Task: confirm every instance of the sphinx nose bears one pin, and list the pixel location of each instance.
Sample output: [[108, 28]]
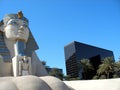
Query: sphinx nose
[[21, 28]]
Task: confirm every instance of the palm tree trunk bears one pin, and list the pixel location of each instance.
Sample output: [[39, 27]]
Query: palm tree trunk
[[84, 74], [108, 75]]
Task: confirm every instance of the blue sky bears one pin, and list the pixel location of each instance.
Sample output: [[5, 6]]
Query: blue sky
[[56, 23]]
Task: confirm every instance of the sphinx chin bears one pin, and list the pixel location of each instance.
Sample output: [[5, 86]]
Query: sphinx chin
[[32, 83]]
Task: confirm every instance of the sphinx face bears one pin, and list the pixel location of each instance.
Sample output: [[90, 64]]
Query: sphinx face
[[17, 29]]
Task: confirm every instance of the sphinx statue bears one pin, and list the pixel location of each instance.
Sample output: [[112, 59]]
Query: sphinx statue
[[17, 42], [19, 63]]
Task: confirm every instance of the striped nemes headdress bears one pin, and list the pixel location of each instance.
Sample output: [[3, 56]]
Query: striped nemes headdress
[[19, 15]]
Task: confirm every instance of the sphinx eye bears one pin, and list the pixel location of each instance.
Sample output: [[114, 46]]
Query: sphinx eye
[[14, 23]]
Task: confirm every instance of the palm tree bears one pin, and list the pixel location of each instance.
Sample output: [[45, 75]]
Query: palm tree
[[86, 66], [106, 67], [67, 77], [56, 73], [117, 70]]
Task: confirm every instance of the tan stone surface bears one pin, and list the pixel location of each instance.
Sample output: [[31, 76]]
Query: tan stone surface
[[32, 83], [106, 84], [5, 68], [55, 83]]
